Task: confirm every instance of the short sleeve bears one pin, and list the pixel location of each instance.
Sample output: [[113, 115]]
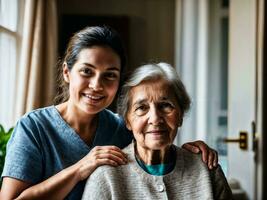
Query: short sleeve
[[24, 158]]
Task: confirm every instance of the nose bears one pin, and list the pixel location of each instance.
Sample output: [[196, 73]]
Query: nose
[[95, 83], [155, 116]]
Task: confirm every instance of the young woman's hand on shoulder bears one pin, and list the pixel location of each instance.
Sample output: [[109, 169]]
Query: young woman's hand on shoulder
[[100, 155]]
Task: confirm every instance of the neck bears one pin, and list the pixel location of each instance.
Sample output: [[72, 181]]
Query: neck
[[83, 124], [154, 157]]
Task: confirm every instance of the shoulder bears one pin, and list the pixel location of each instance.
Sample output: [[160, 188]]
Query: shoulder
[[100, 184], [38, 116], [40, 113], [188, 157], [191, 164], [106, 172], [195, 168], [32, 123], [36, 120], [30, 127]]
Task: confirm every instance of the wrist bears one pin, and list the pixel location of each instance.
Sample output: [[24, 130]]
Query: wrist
[[74, 172], [84, 170]]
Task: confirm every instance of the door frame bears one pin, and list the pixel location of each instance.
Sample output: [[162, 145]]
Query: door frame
[[263, 151]]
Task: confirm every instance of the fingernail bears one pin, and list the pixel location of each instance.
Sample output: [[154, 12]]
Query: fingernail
[[196, 150]]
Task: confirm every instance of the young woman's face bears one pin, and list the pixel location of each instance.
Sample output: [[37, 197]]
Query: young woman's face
[[94, 79], [154, 115]]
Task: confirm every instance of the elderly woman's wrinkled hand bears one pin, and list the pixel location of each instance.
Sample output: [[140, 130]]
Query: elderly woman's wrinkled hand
[[209, 155]]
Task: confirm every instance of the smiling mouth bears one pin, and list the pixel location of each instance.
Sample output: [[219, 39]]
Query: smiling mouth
[[156, 132], [94, 98]]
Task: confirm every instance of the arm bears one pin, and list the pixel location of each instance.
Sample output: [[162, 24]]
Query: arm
[[59, 185], [56, 187], [209, 155]]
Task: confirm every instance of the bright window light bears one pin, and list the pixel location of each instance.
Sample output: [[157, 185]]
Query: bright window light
[[9, 44], [9, 14]]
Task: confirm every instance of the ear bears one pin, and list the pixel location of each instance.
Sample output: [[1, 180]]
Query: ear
[[66, 73]]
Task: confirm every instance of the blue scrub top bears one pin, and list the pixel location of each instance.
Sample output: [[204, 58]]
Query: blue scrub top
[[42, 144]]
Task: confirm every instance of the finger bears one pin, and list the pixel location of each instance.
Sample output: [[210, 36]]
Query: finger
[[98, 150], [204, 150], [114, 148], [190, 147], [110, 156], [105, 161], [116, 152], [215, 161], [210, 159]]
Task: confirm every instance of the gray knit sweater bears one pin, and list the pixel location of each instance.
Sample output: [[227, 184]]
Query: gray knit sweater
[[190, 179]]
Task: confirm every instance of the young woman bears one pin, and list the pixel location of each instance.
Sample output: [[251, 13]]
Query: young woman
[[54, 149]]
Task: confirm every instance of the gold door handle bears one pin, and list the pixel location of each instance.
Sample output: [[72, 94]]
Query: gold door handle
[[242, 140]]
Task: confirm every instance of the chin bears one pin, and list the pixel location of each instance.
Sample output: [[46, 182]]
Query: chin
[[92, 110], [158, 145]]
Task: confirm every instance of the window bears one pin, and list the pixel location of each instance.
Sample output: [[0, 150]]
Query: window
[[10, 33], [203, 61]]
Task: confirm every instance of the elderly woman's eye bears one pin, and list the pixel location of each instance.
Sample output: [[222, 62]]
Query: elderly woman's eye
[[140, 110], [166, 107]]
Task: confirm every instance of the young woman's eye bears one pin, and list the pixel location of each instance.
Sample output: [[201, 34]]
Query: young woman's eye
[[86, 71], [111, 76], [140, 110]]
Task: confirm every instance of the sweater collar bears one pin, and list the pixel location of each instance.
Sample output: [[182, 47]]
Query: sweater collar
[[177, 171]]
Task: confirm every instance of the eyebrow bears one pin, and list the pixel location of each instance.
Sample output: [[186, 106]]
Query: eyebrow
[[141, 101], [145, 100], [112, 68]]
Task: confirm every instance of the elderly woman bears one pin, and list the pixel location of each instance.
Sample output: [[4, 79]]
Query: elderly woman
[[153, 103]]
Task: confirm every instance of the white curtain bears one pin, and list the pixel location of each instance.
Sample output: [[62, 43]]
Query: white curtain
[[38, 56], [191, 59]]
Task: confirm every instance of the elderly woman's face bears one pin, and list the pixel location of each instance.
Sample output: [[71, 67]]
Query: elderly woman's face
[[153, 115]]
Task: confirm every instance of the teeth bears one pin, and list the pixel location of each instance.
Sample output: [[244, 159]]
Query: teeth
[[93, 97]]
